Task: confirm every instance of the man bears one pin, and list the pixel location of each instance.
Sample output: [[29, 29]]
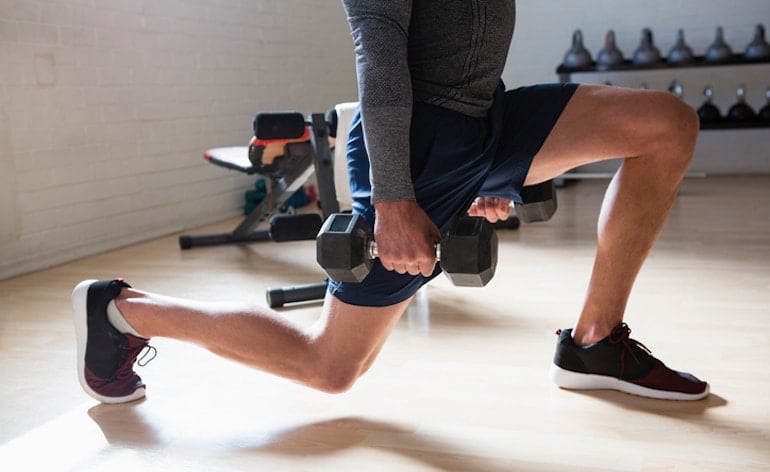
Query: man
[[436, 130]]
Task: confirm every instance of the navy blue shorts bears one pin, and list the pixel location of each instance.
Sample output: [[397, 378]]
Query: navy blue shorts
[[454, 159]]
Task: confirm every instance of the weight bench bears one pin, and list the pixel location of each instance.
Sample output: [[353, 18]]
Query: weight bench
[[286, 150]]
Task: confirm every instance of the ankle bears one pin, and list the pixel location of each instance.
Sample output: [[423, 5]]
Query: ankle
[[116, 310], [585, 336]]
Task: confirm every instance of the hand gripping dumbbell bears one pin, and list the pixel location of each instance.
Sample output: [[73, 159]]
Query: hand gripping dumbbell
[[538, 204], [345, 248]]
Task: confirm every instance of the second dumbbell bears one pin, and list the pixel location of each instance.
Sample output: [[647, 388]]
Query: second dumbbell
[[345, 248]]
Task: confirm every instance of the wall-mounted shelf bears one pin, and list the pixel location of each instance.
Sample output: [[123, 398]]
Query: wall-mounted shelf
[[700, 61], [725, 125], [735, 60]]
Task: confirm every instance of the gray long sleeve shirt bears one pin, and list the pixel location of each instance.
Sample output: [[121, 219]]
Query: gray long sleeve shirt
[[447, 53]]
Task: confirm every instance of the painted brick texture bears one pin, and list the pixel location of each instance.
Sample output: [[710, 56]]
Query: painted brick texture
[[106, 107]]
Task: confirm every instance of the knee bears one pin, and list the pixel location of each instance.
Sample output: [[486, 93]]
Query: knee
[[685, 123], [335, 380], [678, 130], [333, 377]]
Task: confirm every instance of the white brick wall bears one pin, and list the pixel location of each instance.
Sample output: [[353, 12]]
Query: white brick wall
[[106, 107]]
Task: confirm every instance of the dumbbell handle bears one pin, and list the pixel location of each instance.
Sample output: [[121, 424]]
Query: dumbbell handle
[[373, 254], [511, 204]]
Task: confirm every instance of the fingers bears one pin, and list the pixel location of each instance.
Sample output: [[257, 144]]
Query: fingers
[[405, 238], [413, 268], [411, 259], [491, 208], [427, 269]]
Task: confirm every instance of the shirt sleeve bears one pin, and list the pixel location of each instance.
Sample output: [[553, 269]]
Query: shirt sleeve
[[380, 35]]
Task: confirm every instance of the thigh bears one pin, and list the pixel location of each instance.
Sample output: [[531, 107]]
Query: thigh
[[603, 122], [351, 335], [522, 120]]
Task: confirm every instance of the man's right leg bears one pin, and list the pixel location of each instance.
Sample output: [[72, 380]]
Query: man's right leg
[[656, 133], [329, 355]]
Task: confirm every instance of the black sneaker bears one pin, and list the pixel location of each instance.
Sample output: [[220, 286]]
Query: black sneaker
[[105, 355], [618, 362]]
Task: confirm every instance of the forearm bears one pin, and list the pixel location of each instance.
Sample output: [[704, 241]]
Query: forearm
[[388, 149]]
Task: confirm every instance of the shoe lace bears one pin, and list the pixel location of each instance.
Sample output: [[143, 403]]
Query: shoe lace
[[148, 353], [621, 335], [143, 351]]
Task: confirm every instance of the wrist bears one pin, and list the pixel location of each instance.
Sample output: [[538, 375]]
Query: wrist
[[393, 191], [394, 207]]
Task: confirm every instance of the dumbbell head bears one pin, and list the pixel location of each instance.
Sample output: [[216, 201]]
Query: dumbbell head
[[539, 202], [343, 247], [469, 252], [299, 227]]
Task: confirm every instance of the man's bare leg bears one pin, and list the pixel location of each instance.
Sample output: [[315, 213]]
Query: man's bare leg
[[329, 356], [656, 133]]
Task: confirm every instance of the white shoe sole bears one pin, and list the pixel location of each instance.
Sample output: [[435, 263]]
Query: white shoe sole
[[578, 381], [80, 312]]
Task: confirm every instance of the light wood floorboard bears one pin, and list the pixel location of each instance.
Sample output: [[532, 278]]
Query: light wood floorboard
[[460, 386]]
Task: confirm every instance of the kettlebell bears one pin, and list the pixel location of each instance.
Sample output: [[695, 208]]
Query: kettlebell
[[764, 113], [646, 54], [741, 112], [719, 50], [577, 57], [758, 48], [676, 88], [681, 53], [609, 56], [708, 112]]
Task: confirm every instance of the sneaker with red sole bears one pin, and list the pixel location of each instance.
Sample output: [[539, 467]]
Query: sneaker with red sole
[[618, 362], [105, 355]]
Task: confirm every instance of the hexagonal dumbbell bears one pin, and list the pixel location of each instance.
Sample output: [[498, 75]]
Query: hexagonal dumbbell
[[539, 202], [345, 248]]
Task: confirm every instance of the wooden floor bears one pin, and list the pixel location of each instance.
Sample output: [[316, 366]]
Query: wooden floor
[[460, 386]]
